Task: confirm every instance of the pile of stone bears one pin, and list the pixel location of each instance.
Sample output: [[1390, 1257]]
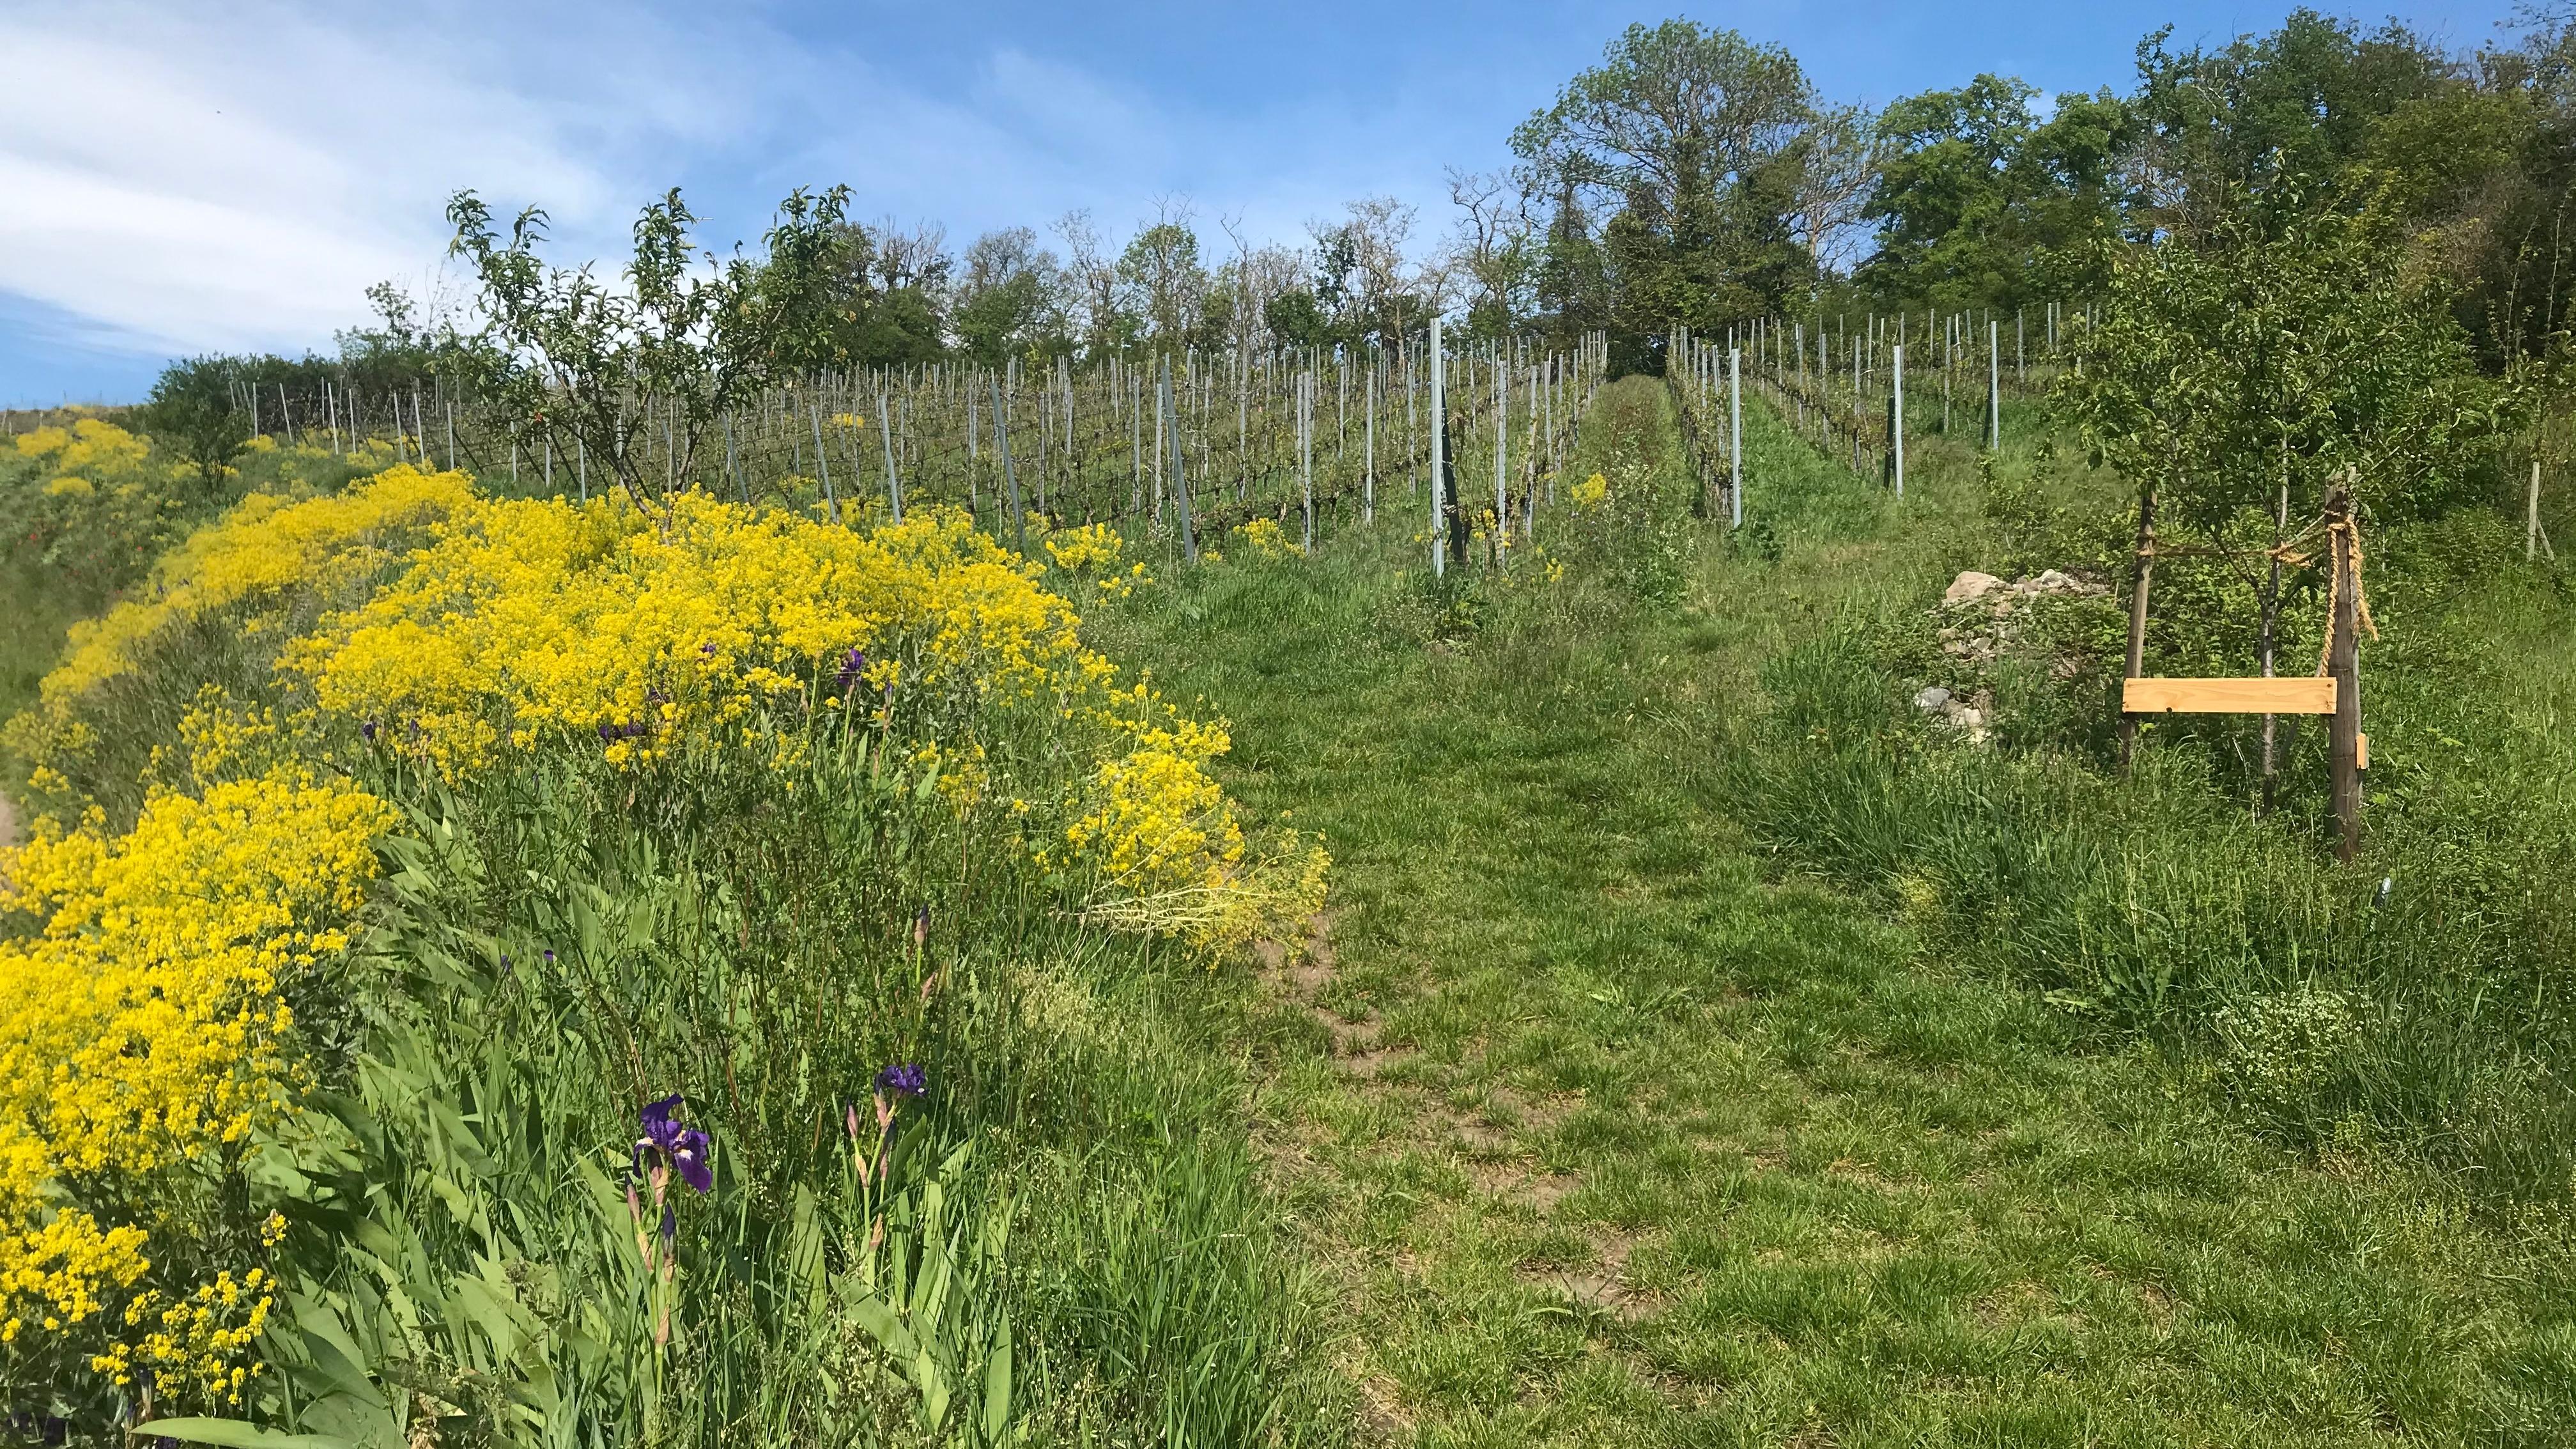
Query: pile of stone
[[1981, 620]]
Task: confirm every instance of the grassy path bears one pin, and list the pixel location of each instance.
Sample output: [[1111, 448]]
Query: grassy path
[[1602, 1129]]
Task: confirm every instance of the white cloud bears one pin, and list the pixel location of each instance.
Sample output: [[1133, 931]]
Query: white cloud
[[236, 179], [186, 177]]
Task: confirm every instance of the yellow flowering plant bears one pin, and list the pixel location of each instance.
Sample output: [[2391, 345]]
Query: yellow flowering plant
[[1265, 538], [147, 1038], [220, 605], [737, 788]]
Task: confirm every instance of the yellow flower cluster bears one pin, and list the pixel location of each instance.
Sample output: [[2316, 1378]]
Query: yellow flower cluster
[[1096, 548], [529, 621], [142, 1023], [61, 1269], [499, 626], [265, 545], [1589, 494], [1157, 822], [196, 1347], [1264, 537], [1093, 547], [89, 445]]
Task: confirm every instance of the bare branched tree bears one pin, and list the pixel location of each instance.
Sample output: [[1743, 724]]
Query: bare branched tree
[[1091, 271], [1840, 156], [1375, 234], [1492, 250]]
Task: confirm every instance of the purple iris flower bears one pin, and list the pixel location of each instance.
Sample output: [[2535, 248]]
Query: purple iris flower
[[904, 1079], [854, 664], [680, 1146], [368, 730]]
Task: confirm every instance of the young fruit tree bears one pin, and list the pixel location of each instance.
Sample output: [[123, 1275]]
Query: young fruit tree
[[2237, 378], [650, 370]]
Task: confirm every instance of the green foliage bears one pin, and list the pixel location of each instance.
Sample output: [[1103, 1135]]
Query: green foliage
[[564, 356], [1162, 264], [2283, 355], [1693, 134], [1006, 304], [194, 405], [2296, 107], [1296, 318], [1982, 204]]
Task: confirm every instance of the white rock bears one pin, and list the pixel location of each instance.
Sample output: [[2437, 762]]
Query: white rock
[[1932, 699], [1970, 585]]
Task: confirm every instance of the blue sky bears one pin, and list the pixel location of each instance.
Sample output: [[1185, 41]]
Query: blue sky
[[179, 177]]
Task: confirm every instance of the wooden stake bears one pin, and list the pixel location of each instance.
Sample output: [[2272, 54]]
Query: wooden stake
[[2343, 663]]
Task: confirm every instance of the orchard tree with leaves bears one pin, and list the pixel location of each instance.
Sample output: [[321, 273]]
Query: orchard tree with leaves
[[2233, 381], [193, 406], [688, 339]]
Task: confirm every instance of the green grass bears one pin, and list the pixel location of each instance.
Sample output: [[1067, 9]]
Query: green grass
[[1610, 1123]]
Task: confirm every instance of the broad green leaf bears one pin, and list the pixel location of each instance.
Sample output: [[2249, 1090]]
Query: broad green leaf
[[237, 1432]]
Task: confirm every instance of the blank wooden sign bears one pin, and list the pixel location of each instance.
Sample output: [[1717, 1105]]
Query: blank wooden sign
[[2298, 694]]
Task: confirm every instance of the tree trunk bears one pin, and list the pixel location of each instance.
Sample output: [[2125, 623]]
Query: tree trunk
[[2140, 578], [2343, 661], [2271, 624]]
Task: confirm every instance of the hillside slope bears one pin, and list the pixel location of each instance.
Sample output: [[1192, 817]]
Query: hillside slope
[[1611, 1125]]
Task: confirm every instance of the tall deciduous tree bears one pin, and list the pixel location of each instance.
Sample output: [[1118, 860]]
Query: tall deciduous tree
[[1162, 264], [1693, 135], [1980, 203], [1011, 298]]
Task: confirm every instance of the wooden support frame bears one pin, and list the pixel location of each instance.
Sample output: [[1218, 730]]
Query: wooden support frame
[[2294, 694], [2336, 693]]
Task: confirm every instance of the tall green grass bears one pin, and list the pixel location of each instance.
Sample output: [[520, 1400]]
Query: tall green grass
[[2434, 1013]]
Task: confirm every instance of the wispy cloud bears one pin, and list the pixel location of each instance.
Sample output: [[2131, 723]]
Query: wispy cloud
[[190, 177]]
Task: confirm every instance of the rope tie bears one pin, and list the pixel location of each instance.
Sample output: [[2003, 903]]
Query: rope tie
[[2350, 529]]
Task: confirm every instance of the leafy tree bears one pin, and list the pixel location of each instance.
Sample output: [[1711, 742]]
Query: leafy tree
[[2299, 105], [844, 296], [1572, 285], [689, 338], [1980, 203], [1695, 135], [1010, 300], [1298, 319], [2232, 381], [1162, 264], [193, 406]]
